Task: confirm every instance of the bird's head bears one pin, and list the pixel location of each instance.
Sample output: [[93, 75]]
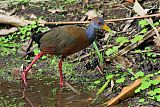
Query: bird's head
[[98, 23]]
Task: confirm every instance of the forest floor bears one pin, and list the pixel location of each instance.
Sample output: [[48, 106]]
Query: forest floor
[[83, 70]]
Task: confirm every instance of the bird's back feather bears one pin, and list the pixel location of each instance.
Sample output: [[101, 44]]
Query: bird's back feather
[[64, 40]]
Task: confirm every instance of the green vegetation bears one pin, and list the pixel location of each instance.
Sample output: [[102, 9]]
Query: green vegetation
[[115, 78], [5, 103], [98, 53], [10, 44], [150, 83]]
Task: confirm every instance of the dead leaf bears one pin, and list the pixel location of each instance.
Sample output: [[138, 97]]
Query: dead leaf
[[2, 12], [107, 35], [36, 1], [42, 22], [4, 4], [112, 84], [128, 23], [23, 7], [72, 88], [86, 1], [8, 12], [55, 10], [83, 18], [125, 63], [91, 14], [99, 69], [126, 92], [158, 78], [130, 1], [32, 16], [157, 40], [140, 11]]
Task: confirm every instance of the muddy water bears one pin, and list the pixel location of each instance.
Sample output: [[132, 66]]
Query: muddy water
[[40, 93], [43, 93]]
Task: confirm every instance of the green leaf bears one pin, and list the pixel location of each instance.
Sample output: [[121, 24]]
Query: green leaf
[[145, 85], [137, 90], [136, 38], [141, 100], [97, 82], [159, 72], [143, 30], [154, 55], [43, 57], [132, 78], [148, 48], [137, 51], [142, 23], [121, 80], [98, 53], [149, 53], [103, 87], [122, 40], [112, 50], [156, 24], [28, 33], [157, 97], [36, 51], [151, 93], [154, 82], [110, 76], [139, 74], [149, 75], [157, 90]]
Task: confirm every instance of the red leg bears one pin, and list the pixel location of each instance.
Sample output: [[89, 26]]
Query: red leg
[[60, 72], [24, 73]]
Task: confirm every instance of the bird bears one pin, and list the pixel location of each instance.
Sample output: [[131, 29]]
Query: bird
[[65, 40]]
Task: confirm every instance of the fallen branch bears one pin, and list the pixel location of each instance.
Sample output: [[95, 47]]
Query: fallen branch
[[12, 20], [110, 20], [126, 92], [15, 21]]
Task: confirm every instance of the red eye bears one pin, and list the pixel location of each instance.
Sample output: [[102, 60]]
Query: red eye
[[99, 23]]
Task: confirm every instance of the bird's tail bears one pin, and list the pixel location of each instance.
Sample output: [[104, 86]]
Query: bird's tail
[[36, 37]]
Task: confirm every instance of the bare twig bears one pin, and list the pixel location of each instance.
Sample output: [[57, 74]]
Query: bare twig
[[72, 88], [110, 20], [19, 22]]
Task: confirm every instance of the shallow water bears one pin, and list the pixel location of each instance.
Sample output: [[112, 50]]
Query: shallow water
[[43, 93], [40, 93]]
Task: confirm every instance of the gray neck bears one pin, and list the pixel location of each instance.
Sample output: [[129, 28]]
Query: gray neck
[[91, 33]]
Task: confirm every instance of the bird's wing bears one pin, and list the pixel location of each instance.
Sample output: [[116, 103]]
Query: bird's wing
[[60, 38]]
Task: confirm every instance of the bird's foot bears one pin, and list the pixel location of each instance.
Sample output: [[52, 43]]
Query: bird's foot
[[24, 78]]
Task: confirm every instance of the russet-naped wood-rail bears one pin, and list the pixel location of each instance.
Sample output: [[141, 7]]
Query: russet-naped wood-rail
[[64, 41]]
